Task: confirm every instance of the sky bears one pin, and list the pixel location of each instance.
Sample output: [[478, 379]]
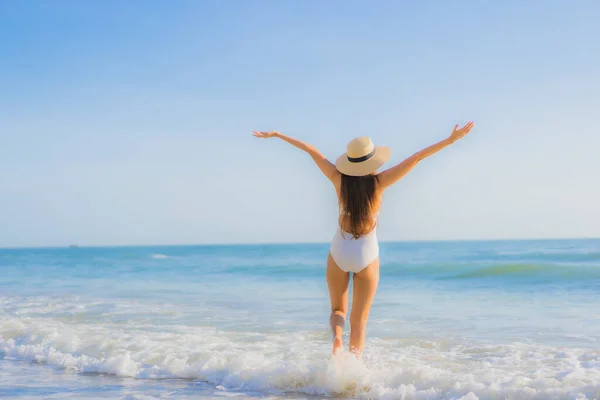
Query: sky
[[126, 123]]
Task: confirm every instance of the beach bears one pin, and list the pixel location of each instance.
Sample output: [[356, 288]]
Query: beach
[[451, 320]]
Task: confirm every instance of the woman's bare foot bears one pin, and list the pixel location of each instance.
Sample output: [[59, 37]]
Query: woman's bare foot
[[356, 352], [338, 345]]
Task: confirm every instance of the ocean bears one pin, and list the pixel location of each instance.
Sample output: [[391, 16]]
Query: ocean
[[451, 320]]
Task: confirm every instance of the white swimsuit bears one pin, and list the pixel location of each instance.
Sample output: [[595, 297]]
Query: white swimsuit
[[354, 255]]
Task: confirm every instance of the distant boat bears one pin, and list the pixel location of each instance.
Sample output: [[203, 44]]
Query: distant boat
[[73, 246]]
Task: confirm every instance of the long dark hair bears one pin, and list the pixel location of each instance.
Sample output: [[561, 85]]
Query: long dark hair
[[358, 197]]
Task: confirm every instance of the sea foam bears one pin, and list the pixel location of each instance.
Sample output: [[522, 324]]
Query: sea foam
[[278, 363]]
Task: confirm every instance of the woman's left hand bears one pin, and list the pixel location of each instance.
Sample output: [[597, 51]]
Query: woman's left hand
[[265, 135]]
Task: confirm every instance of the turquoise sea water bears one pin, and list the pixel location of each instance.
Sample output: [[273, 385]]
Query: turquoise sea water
[[451, 320]]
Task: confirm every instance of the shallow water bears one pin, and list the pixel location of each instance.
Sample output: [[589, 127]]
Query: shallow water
[[451, 320]]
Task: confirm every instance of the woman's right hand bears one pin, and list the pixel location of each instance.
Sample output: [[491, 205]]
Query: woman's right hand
[[265, 135], [462, 132]]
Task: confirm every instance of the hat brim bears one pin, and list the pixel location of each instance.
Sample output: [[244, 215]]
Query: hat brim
[[382, 154]]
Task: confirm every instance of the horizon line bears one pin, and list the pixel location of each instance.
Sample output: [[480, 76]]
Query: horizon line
[[75, 246]]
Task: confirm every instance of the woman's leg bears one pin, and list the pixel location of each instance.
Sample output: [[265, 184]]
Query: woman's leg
[[365, 286], [337, 281]]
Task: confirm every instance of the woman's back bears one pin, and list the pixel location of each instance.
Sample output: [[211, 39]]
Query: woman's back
[[359, 199]]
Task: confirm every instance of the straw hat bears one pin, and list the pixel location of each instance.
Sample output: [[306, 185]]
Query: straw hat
[[362, 157]]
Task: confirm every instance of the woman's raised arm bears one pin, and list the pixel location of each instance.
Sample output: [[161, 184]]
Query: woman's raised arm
[[324, 165], [394, 174]]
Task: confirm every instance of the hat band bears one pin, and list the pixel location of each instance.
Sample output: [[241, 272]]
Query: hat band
[[361, 159]]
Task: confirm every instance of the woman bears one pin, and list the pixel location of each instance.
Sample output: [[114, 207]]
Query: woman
[[354, 247]]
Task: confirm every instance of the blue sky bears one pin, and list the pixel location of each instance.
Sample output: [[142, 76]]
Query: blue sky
[[130, 122]]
